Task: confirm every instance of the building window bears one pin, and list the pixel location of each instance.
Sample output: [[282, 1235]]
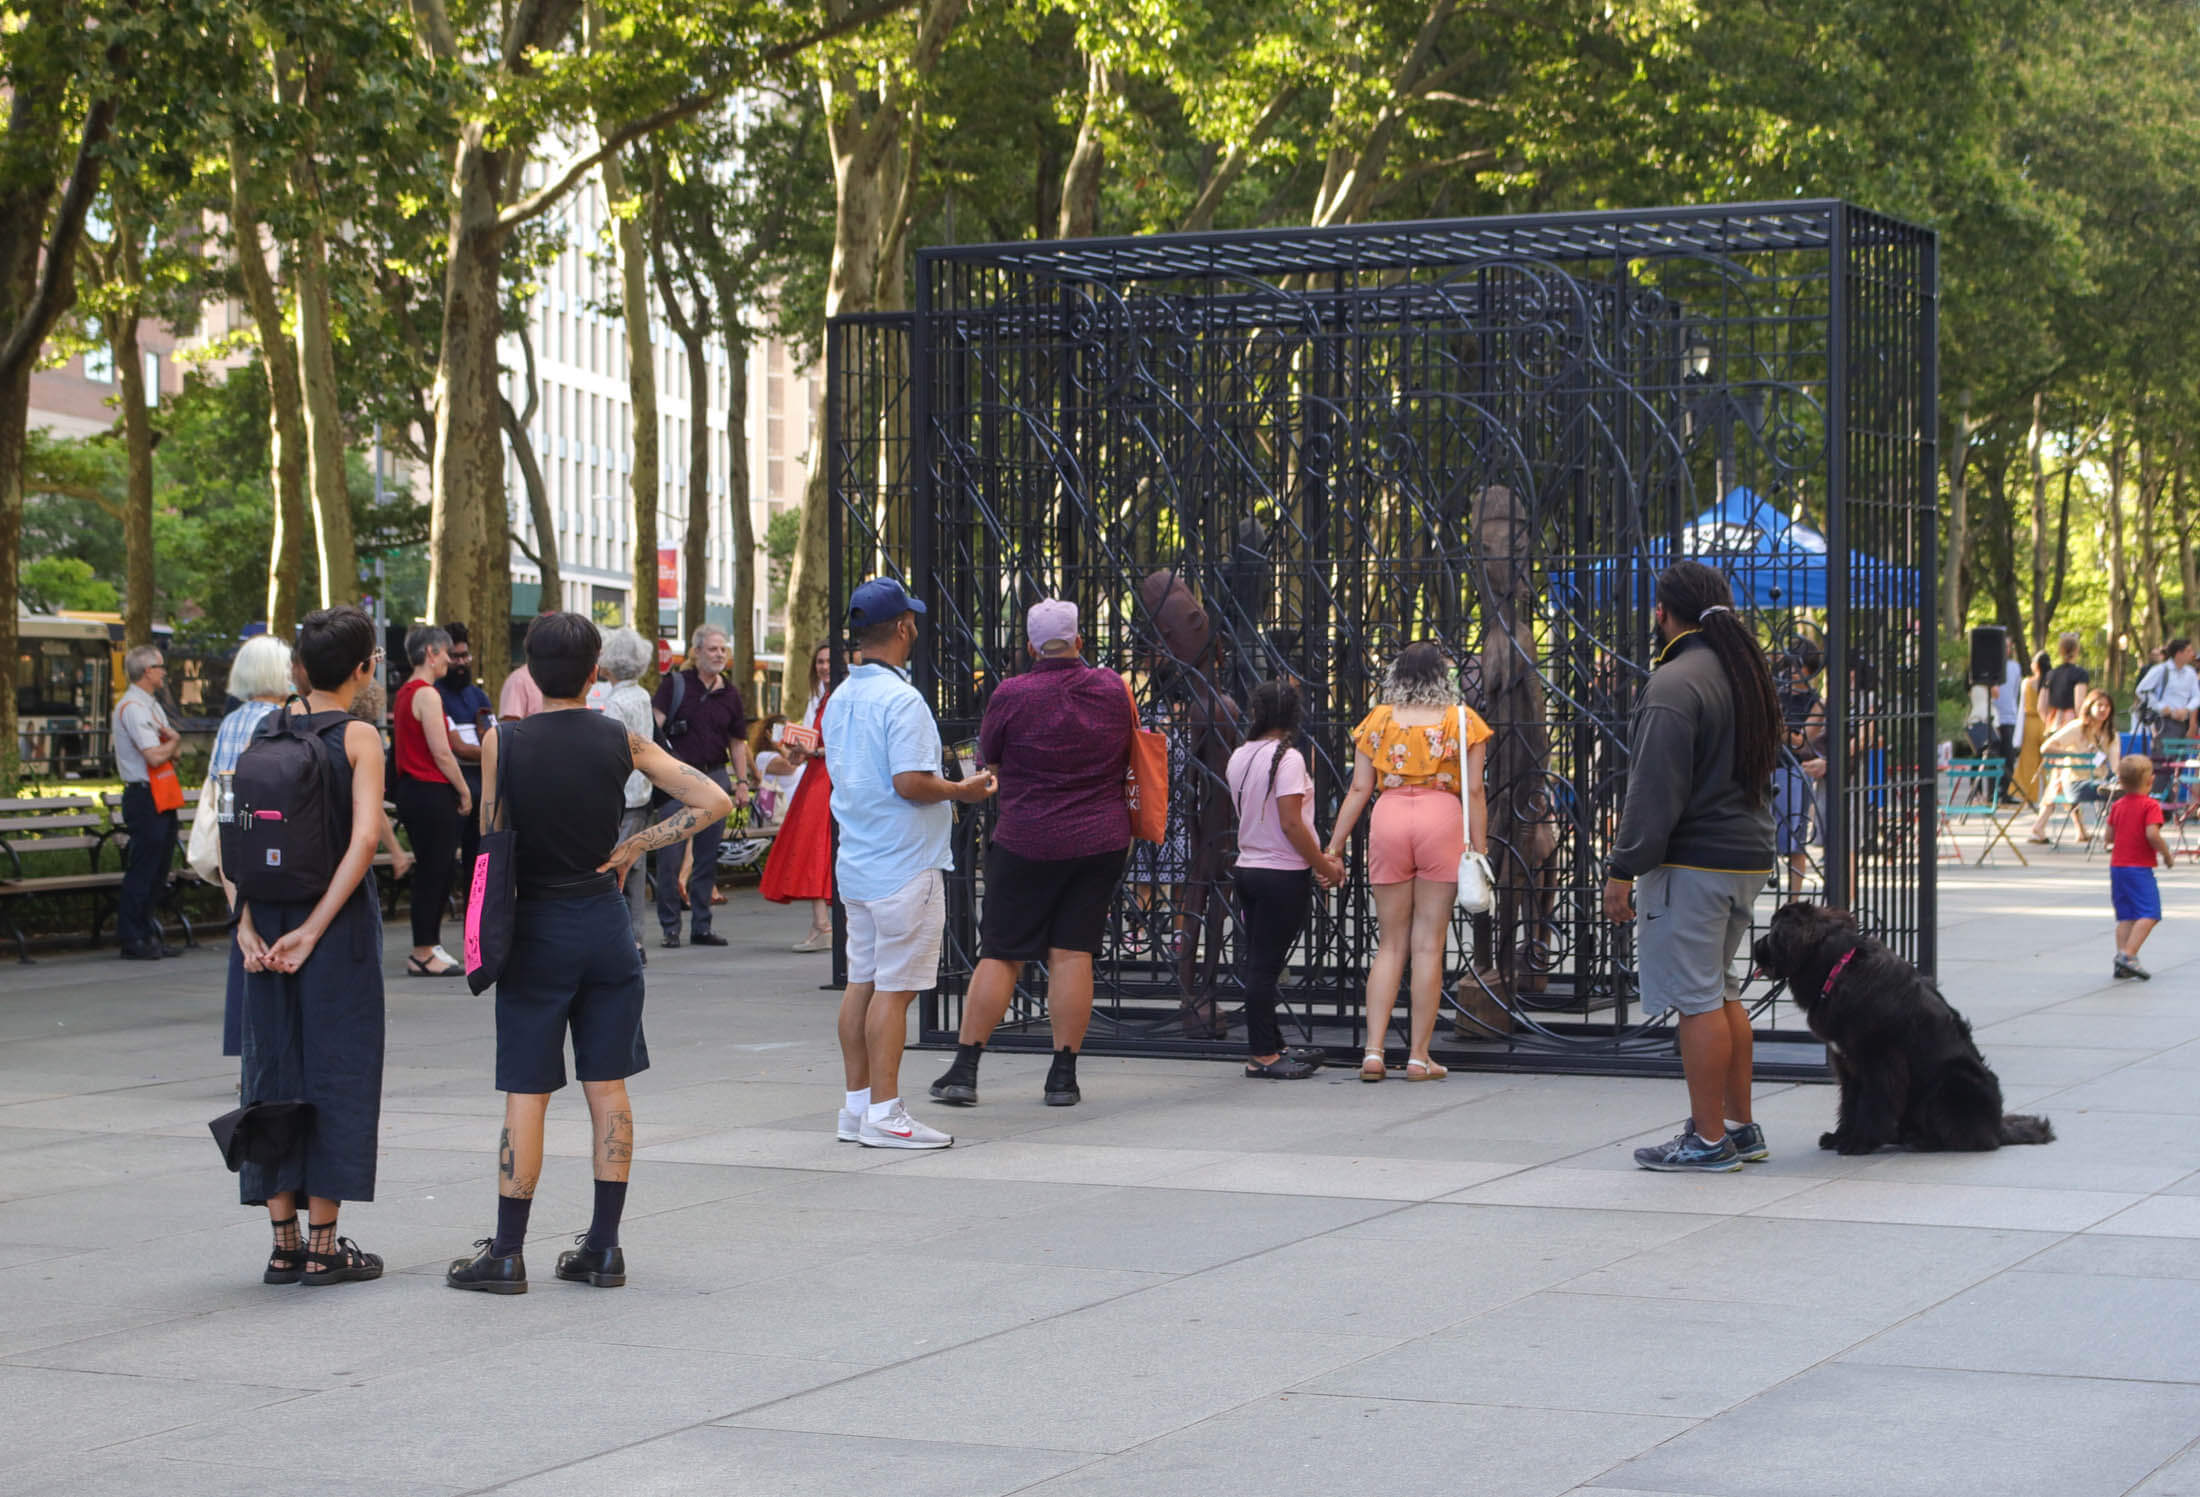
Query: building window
[[99, 359], [152, 377]]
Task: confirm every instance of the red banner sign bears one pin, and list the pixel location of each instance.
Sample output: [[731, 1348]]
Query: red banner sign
[[668, 574]]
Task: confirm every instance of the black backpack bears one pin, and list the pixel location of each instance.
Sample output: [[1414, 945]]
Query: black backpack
[[672, 727], [290, 808]]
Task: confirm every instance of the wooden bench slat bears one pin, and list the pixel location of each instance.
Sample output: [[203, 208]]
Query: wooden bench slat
[[60, 883], [26, 828]]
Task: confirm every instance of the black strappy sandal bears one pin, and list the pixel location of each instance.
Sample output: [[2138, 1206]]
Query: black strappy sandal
[[346, 1264], [286, 1265]]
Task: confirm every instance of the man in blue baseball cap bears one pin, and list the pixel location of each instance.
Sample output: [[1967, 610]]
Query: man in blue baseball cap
[[891, 804]]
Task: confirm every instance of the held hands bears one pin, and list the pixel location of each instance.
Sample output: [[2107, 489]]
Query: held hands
[[290, 953], [251, 947], [1619, 901], [1329, 870], [979, 787]]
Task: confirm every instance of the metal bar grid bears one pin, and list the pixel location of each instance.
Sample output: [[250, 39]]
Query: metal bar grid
[[1492, 433]]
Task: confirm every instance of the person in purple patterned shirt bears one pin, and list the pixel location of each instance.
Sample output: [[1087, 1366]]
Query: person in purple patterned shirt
[[1059, 736]]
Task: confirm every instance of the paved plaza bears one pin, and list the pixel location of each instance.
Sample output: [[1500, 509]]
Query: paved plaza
[[1191, 1284]]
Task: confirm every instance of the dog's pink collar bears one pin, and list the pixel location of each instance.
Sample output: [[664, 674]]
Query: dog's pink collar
[[1834, 976]]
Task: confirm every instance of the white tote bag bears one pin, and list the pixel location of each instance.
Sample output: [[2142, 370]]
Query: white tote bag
[[204, 851], [1477, 884]]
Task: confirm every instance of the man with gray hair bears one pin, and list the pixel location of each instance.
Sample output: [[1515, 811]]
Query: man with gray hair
[[143, 741], [706, 727]]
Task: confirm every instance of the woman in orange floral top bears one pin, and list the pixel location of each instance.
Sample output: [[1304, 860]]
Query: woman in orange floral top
[[1416, 750]]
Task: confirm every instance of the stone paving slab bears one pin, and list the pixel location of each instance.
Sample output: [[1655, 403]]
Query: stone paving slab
[[1189, 1285]]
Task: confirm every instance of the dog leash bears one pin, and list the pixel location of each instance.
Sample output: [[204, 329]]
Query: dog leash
[[1834, 976]]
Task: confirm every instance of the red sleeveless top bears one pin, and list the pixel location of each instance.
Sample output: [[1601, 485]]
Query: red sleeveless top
[[413, 759]]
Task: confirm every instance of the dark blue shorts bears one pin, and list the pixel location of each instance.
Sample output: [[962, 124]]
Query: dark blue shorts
[[574, 968], [2135, 894]]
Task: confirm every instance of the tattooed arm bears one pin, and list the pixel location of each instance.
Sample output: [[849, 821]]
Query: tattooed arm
[[701, 803]]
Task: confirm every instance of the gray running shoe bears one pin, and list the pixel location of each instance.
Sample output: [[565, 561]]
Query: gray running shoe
[[1689, 1152], [898, 1130], [1749, 1142]]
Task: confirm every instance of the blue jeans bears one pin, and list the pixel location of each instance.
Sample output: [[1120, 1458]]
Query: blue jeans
[[703, 881]]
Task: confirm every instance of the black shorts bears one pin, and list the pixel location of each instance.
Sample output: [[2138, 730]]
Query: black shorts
[[574, 966], [1037, 905]]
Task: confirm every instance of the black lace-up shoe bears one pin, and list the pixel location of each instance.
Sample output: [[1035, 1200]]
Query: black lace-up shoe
[[487, 1272], [603, 1267]]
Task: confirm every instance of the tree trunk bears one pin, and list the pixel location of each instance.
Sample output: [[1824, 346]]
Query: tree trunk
[[137, 443], [2119, 578], [1080, 214], [545, 553], [742, 543], [2043, 615], [1959, 521], [467, 535], [31, 302], [695, 544], [336, 553], [286, 429], [2151, 476], [2001, 569], [641, 381], [871, 137], [2188, 565]]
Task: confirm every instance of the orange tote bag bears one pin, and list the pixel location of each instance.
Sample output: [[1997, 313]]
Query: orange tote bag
[[1146, 786]]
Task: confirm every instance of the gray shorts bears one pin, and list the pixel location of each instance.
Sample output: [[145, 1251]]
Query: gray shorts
[[1689, 923]]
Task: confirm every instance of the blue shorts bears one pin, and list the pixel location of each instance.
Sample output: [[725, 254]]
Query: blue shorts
[[2134, 894], [574, 969]]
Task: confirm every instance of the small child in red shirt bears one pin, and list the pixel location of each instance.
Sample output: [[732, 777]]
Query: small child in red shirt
[[2135, 832]]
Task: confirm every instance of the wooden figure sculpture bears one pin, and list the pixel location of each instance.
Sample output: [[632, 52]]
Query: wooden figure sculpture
[[1185, 656]]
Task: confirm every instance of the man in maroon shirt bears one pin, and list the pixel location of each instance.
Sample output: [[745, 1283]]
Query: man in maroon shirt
[[1059, 737], [706, 728]]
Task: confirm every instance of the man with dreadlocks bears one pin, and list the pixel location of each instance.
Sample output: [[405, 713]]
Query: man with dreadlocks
[[1694, 851]]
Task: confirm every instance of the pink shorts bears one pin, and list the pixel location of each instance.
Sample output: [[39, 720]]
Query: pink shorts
[[1416, 833]]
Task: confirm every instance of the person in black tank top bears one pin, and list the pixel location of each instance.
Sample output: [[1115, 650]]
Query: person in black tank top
[[565, 788], [558, 781]]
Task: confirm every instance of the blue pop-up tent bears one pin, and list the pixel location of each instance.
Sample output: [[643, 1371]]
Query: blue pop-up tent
[[1777, 562]]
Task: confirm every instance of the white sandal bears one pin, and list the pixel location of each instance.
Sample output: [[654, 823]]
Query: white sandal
[[1371, 1066]]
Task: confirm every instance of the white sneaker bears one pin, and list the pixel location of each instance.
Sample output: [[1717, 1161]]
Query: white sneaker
[[898, 1130], [445, 957], [850, 1127]]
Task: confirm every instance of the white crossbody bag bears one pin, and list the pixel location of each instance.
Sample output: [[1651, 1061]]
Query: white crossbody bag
[[1477, 884]]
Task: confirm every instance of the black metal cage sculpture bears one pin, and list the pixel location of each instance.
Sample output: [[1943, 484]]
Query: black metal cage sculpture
[[1291, 453]]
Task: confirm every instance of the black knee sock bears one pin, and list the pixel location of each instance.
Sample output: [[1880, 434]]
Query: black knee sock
[[512, 1212], [603, 1228]]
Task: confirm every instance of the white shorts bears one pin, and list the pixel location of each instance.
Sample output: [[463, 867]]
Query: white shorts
[[894, 943]]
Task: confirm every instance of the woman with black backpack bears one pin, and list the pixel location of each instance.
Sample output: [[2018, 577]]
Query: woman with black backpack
[[300, 825]]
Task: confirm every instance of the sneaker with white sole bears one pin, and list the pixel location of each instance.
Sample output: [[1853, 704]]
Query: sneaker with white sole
[[849, 1129], [898, 1130], [1690, 1153]]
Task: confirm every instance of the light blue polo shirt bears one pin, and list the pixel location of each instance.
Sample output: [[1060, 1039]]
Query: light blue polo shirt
[[877, 726]]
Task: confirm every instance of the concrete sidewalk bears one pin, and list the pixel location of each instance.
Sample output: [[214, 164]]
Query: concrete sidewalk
[[1191, 1284]]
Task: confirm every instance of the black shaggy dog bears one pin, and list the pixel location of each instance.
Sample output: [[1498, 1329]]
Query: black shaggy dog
[[1909, 1071]]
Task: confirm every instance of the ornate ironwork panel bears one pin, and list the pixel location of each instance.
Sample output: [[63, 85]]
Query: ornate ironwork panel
[[1293, 453]]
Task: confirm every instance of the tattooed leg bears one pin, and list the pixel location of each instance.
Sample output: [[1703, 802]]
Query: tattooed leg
[[612, 1122], [519, 1149]]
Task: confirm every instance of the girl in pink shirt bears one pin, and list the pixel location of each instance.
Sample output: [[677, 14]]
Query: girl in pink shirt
[[1279, 857]]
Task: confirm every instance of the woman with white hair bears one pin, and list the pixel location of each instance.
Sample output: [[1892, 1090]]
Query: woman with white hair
[[619, 695], [259, 677]]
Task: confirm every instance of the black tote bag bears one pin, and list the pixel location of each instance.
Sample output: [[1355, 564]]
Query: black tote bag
[[493, 901]]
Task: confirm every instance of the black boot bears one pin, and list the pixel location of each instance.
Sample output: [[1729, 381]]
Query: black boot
[[1062, 1080], [959, 1086]]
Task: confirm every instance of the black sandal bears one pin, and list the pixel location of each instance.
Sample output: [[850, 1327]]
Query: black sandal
[[343, 1265], [285, 1265], [1285, 1067]]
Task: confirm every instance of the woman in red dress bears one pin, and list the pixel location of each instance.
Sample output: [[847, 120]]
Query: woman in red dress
[[801, 864]]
